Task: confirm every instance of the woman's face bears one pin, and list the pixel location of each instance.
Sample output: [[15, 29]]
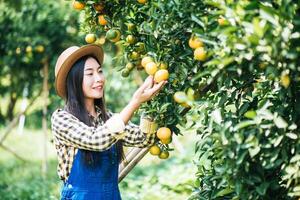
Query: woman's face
[[93, 79]]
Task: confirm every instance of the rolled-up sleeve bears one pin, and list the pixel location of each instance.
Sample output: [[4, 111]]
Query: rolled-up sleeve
[[133, 136], [71, 131]]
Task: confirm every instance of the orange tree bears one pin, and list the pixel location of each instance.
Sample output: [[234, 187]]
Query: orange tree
[[32, 33], [233, 78]]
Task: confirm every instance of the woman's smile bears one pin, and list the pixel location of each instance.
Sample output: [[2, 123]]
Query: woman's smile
[[98, 87]]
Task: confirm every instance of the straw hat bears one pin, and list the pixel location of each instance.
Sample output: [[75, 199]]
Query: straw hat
[[68, 58]]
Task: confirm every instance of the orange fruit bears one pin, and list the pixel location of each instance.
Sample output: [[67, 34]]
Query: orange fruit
[[200, 54], [191, 94], [130, 39], [129, 66], [113, 35], [167, 141], [40, 48], [18, 50], [285, 80], [164, 133], [134, 55], [78, 5], [180, 97], [195, 42], [155, 150], [101, 20], [184, 104], [163, 65], [161, 75], [142, 1], [146, 60], [140, 47], [90, 38], [164, 155], [98, 7], [222, 21], [151, 68], [125, 72], [100, 40], [130, 26], [28, 49]]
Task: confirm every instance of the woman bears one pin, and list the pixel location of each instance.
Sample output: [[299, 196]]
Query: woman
[[89, 139]]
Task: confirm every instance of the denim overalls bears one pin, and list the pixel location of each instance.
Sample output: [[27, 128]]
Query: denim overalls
[[97, 182]]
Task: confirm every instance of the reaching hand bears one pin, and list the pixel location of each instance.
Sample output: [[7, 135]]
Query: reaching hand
[[147, 90]]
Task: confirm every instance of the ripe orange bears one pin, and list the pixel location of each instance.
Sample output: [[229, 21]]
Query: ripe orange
[[195, 42], [151, 68], [142, 1], [163, 133], [101, 20], [200, 54], [161, 75], [130, 39], [155, 150], [146, 60], [180, 97], [98, 7], [184, 104], [164, 155], [167, 141], [285, 80], [222, 21], [78, 5], [90, 38]]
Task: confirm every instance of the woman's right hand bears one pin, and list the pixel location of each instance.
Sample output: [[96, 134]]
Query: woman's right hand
[[144, 93], [147, 90]]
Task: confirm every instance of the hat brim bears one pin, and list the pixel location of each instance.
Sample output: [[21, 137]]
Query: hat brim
[[60, 81]]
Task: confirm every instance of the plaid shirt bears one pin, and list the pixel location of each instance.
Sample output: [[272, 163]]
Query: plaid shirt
[[70, 134]]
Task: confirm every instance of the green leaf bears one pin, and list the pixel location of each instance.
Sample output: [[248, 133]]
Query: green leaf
[[224, 192], [262, 188], [293, 136], [216, 116], [254, 151], [244, 124], [278, 140], [295, 158], [279, 122]]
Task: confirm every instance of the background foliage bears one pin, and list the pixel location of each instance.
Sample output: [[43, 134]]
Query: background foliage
[[246, 93], [242, 106]]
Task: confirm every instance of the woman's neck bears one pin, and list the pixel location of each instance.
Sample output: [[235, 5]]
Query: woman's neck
[[90, 107]]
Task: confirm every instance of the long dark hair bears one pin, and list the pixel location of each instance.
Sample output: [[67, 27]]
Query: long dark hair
[[75, 104]]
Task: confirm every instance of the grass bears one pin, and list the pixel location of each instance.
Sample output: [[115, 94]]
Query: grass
[[151, 178]]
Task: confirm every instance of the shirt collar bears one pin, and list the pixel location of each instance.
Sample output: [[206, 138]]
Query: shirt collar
[[98, 112]]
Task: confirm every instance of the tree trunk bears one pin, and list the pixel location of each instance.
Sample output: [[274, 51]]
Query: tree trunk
[[11, 106], [44, 121]]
